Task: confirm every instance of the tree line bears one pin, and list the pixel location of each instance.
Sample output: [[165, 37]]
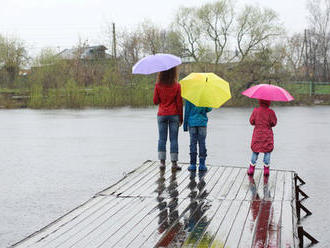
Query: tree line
[[243, 45]]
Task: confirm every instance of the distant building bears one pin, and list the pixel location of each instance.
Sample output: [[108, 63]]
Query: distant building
[[85, 53]]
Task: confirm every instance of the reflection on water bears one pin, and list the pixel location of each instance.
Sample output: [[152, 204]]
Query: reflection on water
[[262, 212]]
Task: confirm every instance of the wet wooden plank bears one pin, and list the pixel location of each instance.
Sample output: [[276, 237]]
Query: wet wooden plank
[[253, 196], [198, 193], [223, 207], [68, 229], [130, 179], [62, 222], [287, 231]]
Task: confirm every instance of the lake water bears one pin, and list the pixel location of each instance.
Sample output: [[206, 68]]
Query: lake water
[[54, 160]]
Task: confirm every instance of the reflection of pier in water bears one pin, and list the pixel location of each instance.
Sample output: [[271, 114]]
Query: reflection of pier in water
[[151, 208]]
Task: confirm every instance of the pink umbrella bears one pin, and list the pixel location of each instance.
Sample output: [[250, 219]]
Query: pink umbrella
[[268, 92]]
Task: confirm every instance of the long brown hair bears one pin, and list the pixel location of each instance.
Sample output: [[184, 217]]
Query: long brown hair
[[168, 77]]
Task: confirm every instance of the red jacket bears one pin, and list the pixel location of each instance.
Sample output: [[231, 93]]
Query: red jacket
[[263, 119], [169, 99]]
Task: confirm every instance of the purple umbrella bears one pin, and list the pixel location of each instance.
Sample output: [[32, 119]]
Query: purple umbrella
[[156, 63]]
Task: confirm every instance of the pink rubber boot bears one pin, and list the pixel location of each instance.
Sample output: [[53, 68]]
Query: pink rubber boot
[[266, 170], [250, 171]]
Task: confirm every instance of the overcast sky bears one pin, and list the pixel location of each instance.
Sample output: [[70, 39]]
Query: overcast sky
[[60, 23]]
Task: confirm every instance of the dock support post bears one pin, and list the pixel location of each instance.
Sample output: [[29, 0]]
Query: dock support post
[[301, 234]]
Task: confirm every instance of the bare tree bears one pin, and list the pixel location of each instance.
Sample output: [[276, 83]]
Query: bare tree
[[152, 38], [319, 38], [216, 19], [187, 26], [294, 49], [256, 27]]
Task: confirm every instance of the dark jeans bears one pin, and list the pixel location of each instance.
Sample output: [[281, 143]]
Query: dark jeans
[[165, 123], [197, 135]]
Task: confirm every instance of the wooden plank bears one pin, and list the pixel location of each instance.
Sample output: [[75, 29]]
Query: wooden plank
[[238, 185], [224, 228], [173, 194], [105, 235], [130, 179], [274, 230], [288, 194], [197, 225], [236, 230], [108, 221], [279, 186], [84, 219], [150, 234], [130, 188], [59, 223], [287, 234], [253, 198], [212, 228], [197, 193], [253, 185]]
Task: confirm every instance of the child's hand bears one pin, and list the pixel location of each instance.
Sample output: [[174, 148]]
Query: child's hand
[[180, 123]]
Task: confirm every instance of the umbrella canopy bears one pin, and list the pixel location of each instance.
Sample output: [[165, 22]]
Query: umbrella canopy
[[268, 92], [205, 90], [156, 63]]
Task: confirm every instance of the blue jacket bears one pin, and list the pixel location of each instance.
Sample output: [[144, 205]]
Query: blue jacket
[[195, 116]]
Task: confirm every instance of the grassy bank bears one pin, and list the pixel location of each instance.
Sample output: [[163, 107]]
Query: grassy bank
[[139, 95]]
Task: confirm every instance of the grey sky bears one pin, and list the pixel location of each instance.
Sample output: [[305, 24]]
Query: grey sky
[[60, 23]]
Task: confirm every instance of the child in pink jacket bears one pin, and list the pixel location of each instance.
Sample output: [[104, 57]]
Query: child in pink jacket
[[263, 119]]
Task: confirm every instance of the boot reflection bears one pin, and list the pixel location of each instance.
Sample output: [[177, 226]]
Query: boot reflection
[[173, 192], [173, 225], [162, 204], [261, 210], [197, 221]]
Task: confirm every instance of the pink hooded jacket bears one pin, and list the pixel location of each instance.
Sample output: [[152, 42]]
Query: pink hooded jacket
[[263, 118]]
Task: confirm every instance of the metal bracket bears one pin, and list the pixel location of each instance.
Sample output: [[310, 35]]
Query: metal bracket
[[297, 178], [299, 191], [299, 207], [301, 234]]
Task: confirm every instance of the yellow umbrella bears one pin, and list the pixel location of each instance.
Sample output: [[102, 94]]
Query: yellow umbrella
[[205, 90]]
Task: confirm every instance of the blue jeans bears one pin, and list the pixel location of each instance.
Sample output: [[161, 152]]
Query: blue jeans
[[165, 123], [254, 157], [197, 135]]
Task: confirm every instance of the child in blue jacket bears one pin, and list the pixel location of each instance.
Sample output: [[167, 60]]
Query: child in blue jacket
[[195, 118]]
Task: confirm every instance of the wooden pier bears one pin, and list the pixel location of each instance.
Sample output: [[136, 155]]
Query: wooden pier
[[223, 207]]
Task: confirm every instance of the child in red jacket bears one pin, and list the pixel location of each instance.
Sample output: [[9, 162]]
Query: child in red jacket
[[167, 95], [263, 119]]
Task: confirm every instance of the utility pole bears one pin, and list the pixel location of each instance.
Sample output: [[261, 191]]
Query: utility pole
[[114, 49]]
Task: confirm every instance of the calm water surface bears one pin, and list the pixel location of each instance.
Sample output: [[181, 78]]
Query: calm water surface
[[54, 160]]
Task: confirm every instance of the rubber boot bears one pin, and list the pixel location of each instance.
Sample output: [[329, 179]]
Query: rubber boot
[[162, 165], [250, 171], [202, 166], [266, 170], [192, 167], [175, 166]]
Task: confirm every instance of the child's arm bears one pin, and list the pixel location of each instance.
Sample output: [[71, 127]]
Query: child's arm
[[187, 108], [252, 118], [273, 119], [156, 96]]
